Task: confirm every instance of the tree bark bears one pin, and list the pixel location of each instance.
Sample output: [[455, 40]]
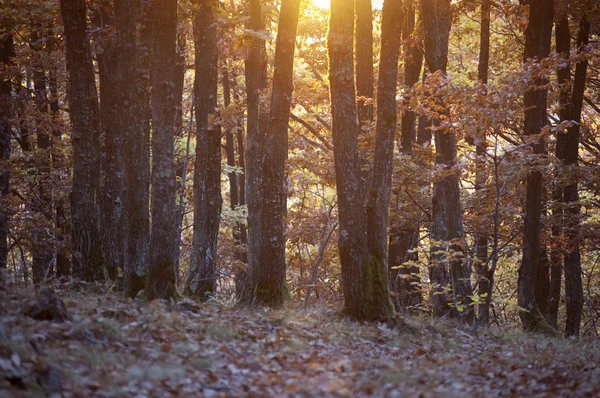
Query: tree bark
[[7, 52], [132, 124], [207, 168], [563, 74], [447, 226], [255, 73], [83, 104], [161, 281], [482, 237], [537, 46], [364, 60], [112, 191], [364, 275], [267, 276], [404, 236], [573, 273]]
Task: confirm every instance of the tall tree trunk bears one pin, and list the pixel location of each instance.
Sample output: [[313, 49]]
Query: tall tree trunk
[[202, 280], [267, 275], [563, 74], [364, 275], [42, 250], [255, 73], [447, 226], [404, 236], [83, 104], [132, 120], [112, 164], [63, 260], [573, 274], [537, 46], [161, 280], [481, 237], [7, 52]]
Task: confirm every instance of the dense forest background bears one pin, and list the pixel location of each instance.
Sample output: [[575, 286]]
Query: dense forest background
[[220, 149]]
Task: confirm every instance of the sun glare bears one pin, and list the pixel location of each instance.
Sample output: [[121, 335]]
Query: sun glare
[[321, 3], [326, 3]]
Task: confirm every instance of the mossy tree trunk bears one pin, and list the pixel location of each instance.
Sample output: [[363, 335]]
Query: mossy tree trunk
[[363, 224]]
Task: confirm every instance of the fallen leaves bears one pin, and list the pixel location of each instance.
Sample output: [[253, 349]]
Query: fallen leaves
[[115, 347]]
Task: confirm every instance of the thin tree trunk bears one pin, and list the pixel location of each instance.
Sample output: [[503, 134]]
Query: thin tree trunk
[[7, 52], [573, 273], [537, 46], [202, 280], [482, 237], [132, 124], [83, 104], [161, 281], [563, 74], [63, 261]]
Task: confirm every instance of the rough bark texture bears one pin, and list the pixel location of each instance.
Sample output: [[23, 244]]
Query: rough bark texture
[[255, 73], [448, 265], [83, 104], [537, 46], [573, 274], [404, 236], [364, 276], [112, 191], [482, 238], [207, 168], [364, 60], [267, 281], [161, 280], [132, 124], [7, 52], [563, 74], [42, 248]]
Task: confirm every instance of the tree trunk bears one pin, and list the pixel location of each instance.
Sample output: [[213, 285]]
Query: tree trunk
[[255, 73], [447, 225], [83, 104], [161, 281], [207, 168], [267, 276], [112, 193], [132, 124], [573, 273], [364, 275], [364, 60], [7, 52], [404, 236], [482, 237], [537, 46], [42, 248], [563, 74]]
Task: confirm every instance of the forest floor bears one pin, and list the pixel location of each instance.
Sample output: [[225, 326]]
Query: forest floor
[[111, 347]]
